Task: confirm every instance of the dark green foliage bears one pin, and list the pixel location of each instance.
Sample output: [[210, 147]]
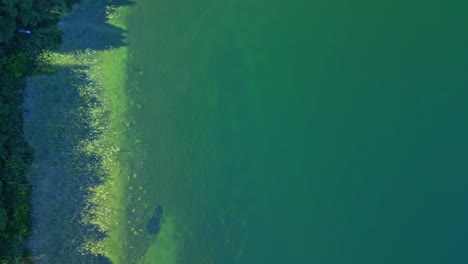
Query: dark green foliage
[[17, 59], [29, 14], [3, 219], [16, 64]]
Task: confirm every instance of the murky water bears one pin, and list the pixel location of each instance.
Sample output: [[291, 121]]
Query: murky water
[[298, 132]]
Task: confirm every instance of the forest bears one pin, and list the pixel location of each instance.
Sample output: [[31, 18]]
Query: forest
[[19, 58]]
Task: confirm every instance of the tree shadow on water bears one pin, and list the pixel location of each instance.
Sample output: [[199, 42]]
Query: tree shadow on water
[[62, 192], [87, 27], [122, 2]]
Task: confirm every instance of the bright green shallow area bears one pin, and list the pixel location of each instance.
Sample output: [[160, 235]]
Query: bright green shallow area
[[300, 131]]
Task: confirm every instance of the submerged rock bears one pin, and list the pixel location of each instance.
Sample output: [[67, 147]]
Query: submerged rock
[[153, 225]]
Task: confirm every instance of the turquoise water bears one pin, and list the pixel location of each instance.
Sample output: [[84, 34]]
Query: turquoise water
[[300, 132]]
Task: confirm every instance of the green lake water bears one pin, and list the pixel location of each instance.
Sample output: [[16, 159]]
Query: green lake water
[[299, 131]]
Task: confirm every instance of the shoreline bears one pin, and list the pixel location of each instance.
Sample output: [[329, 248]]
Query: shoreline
[[75, 121]]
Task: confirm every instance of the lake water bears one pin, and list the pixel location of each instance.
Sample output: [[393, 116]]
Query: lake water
[[299, 131]]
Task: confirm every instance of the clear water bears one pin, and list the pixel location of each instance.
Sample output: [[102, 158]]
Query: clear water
[[300, 131]]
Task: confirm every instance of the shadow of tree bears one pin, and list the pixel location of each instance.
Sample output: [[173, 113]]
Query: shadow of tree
[[86, 27], [122, 2], [63, 176], [56, 127]]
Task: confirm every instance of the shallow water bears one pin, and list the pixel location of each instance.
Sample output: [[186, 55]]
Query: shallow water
[[298, 132]]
